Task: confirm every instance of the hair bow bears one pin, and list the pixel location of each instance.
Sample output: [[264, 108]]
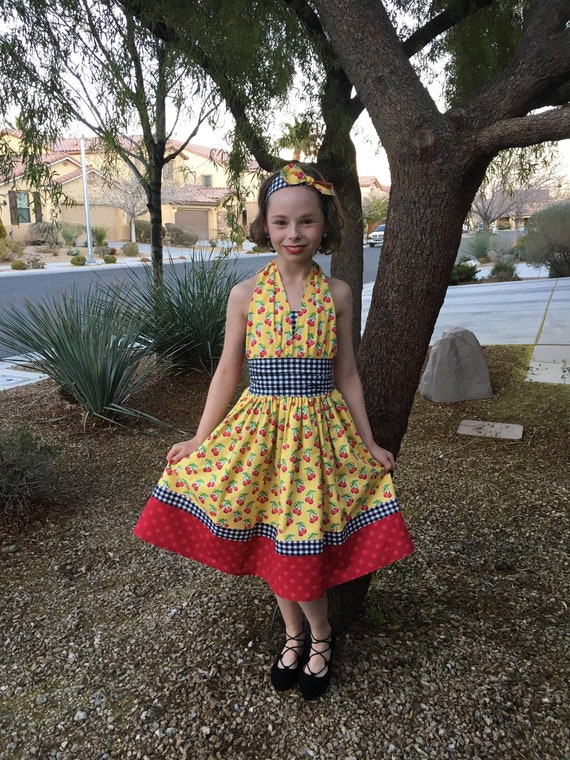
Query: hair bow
[[293, 174]]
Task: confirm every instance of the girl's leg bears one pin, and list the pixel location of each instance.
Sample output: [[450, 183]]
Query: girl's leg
[[316, 613], [293, 618]]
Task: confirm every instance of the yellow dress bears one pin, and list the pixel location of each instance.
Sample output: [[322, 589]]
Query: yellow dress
[[283, 488]]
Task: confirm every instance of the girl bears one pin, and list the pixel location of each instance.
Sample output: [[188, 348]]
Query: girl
[[290, 485]]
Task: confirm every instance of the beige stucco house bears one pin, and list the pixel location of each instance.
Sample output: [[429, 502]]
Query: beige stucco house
[[195, 191]]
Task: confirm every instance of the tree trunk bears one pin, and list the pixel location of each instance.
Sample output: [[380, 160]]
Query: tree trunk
[[340, 169], [154, 205]]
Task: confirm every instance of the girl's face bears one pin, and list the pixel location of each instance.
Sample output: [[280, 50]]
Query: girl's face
[[295, 222]]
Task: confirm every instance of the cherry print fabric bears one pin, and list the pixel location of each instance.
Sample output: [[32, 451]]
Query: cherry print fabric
[[283, 488]]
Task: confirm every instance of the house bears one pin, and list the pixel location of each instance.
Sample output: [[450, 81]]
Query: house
[[195, 192], [370, 186]]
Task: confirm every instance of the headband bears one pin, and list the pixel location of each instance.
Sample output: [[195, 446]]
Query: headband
[[292, 174]]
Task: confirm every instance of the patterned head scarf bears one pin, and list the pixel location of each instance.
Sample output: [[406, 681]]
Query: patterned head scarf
[[293, 174]]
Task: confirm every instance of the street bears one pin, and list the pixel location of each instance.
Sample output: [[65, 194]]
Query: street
[[36, 284]]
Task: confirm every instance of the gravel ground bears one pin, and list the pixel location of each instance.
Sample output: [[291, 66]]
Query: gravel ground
[[114, 649]]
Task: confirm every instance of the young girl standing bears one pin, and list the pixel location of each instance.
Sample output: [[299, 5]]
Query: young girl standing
[[290, 485]]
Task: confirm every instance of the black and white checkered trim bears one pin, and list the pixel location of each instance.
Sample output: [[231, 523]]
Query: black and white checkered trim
[[297, 548], [290, 377]]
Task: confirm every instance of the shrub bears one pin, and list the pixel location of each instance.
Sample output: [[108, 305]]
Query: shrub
[[78, 260], [18, 265], [108, 258], [100, 250], [73, 251], [548, 239], [142, 231], [184, 318], [99, 235], [463, 272], [9, 249], [239, 240], [70, 232], [480, 245], [35, 263], [85, 343], [130, 249], [3, 233], [47, 232], [25, 471], [180, 235], [504, 269]]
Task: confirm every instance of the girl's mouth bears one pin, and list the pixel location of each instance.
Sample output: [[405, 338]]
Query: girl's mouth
[[294, 248]]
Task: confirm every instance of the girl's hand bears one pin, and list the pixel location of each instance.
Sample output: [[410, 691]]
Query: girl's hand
[[181, 450], [384, 457]]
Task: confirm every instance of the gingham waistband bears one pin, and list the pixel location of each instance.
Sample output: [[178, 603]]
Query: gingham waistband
[[290, 377]]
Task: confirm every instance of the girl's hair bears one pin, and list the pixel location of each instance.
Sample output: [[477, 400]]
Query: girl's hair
[[329, 204]]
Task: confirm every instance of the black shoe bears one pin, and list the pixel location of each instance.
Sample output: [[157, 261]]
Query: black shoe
[[314, 683], [284, 677]]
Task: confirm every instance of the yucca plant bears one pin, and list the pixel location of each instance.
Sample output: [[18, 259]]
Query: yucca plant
[[184, 317], [86, 344], [504, 269]]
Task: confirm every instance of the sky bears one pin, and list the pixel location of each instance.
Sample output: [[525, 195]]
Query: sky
[[371, 158]]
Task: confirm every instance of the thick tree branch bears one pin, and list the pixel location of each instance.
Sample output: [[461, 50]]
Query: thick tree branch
[[523, 131], [539, 74], [440, 24]]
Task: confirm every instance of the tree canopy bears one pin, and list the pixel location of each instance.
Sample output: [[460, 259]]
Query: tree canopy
[[96, 64]]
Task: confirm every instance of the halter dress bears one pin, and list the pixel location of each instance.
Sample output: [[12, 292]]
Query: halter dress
[[284, 487]]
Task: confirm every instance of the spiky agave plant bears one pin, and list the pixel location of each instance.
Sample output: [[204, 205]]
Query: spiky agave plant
[[86, 343]]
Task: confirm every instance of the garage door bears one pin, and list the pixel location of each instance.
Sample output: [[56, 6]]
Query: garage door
[[193, 219]]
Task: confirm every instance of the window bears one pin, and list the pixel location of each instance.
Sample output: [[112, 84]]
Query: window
[[20, 211], [206, 180]]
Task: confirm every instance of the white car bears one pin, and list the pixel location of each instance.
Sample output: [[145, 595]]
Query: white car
[[377, 236]]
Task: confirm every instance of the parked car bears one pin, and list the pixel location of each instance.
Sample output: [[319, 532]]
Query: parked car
[[377, 236], [492, 228]]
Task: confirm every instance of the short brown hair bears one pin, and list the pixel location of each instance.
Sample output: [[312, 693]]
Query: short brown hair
[[329, 204]]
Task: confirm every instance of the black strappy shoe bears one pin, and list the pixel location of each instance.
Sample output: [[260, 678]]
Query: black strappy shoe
[[314, 683], [284, 677]]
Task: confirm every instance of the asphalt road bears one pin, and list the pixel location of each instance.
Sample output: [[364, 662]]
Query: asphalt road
[[35, 285]]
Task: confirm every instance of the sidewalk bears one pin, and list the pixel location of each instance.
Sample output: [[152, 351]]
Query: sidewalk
[[529, 312]]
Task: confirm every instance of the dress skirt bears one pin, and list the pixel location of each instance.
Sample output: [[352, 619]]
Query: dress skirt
[[284, 487]]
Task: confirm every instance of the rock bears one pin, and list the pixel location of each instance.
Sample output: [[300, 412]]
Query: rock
[[456, 369]]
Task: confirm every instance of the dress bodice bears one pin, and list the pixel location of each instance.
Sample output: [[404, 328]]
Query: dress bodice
[[271, 330]]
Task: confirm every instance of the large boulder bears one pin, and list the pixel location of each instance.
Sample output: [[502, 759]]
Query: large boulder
[[456, 369]]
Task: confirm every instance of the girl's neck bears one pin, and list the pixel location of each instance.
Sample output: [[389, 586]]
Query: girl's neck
[[294, 279], [292, 272]]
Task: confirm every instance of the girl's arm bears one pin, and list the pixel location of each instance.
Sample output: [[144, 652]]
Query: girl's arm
[[346, 375], [227, 374]]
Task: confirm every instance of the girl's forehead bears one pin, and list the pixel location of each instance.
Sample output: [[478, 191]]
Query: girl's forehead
[[295, 199]]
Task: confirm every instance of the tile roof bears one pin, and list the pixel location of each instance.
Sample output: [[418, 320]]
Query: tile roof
[[195, 194]]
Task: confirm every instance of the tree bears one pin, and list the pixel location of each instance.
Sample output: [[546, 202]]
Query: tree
[[95, 63], [122, 192], [438, 161], [514, 184], [374, 210], [303, 137], [548, 239]]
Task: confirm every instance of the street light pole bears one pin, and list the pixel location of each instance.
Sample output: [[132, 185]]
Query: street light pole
[[90, 257]]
